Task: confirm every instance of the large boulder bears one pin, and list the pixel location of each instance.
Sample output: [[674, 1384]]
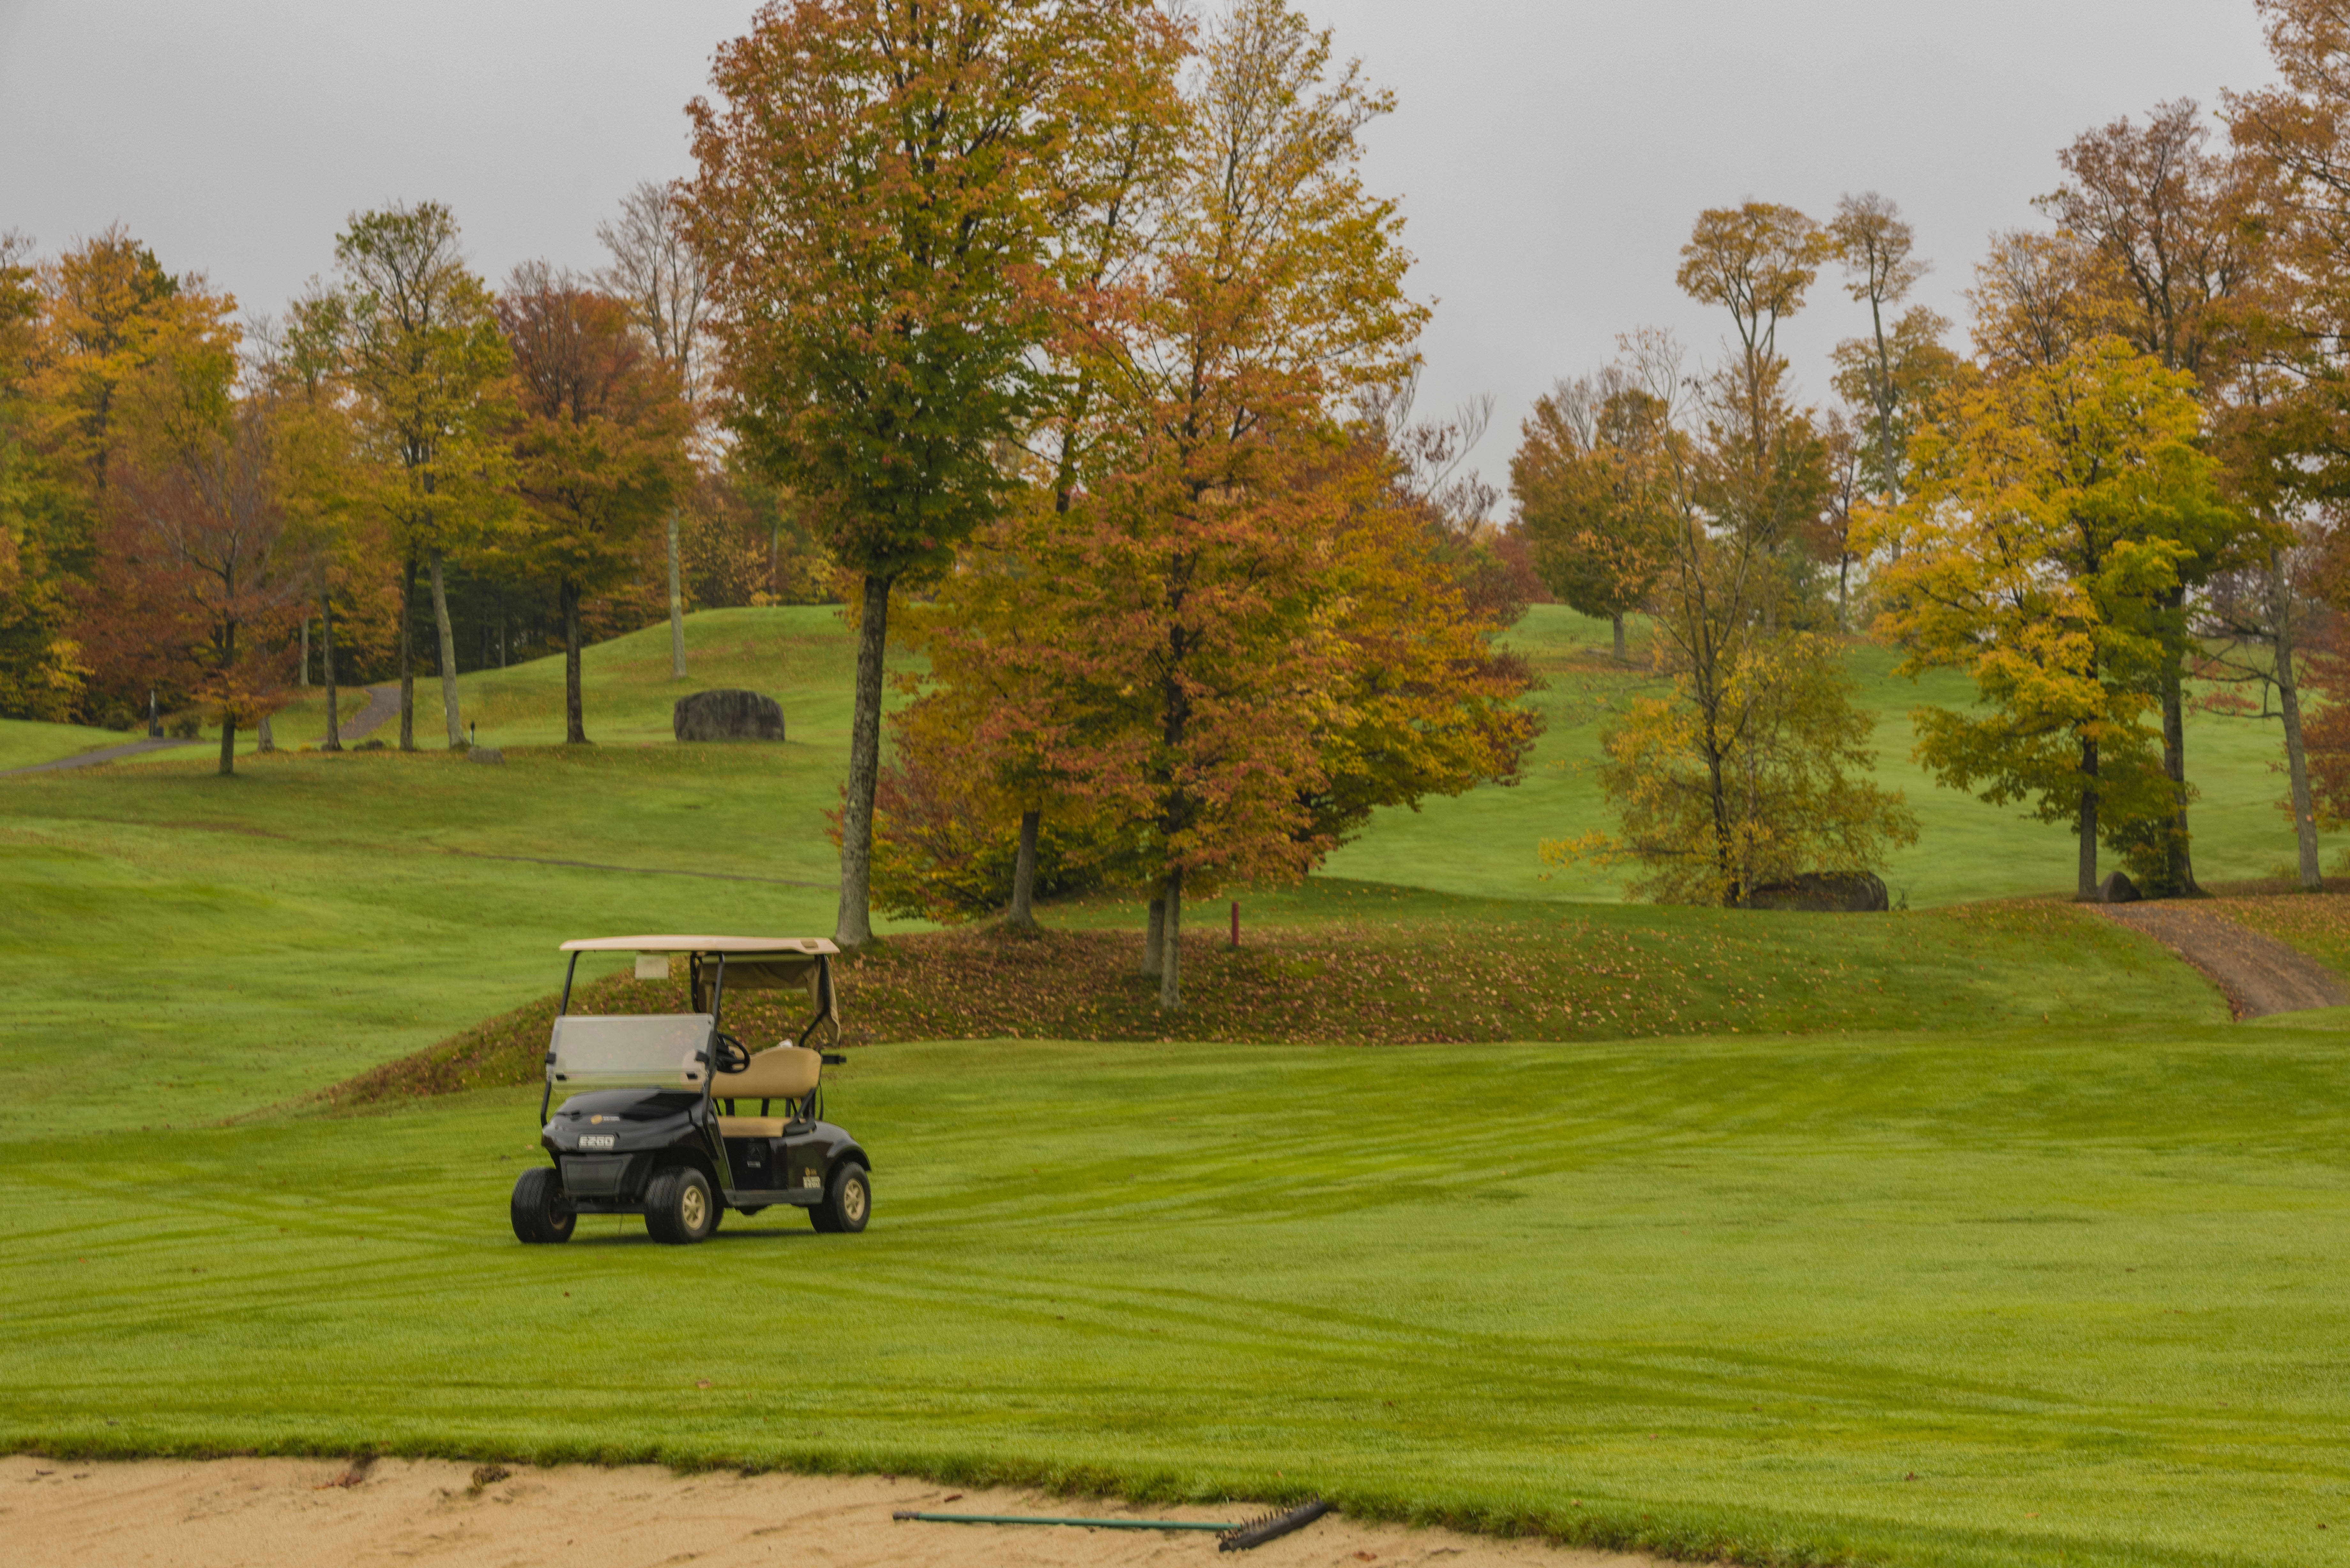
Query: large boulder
[[2116, 888], [1845, 892], [727, 715]]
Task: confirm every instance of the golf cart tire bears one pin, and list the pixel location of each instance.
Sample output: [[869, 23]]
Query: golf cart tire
[[680, 1207], [848, 1202], [541, 1212]]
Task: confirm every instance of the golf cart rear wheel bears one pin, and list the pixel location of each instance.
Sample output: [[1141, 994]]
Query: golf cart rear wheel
[[848, 1202], [541, 1212], [680, 1208]]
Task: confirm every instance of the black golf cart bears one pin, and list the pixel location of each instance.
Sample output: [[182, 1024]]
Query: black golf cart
[[650, 1124]]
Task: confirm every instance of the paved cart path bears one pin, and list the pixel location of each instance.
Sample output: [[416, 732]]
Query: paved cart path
[[383, 706], [299, 1513], [2258, 974], [103, 755]]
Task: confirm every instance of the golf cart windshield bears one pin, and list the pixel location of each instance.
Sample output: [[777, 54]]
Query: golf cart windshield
[[645, 1051]]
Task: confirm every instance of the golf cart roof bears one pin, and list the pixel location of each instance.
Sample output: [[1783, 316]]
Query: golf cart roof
[[699, 945]]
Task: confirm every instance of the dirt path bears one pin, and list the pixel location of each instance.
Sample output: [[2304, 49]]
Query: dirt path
[[2258, 974], [383, 706], [294, 1514], [103, 755]]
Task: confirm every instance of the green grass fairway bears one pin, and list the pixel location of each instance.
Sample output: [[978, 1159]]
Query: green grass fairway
[[1698, 1294]]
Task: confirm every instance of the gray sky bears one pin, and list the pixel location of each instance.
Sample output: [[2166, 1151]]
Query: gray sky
[[1550, 156]]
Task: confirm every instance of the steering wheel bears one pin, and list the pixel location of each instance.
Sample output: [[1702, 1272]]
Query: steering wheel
[[732, 1056]]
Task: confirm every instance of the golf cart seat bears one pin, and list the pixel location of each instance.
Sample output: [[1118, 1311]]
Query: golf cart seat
[[782, 1073]]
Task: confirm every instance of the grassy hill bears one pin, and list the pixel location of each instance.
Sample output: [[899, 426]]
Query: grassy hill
[[1971, 1234], [1486, 843]]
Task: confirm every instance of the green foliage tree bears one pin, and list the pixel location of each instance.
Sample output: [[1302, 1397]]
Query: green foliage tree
[[876, 193]]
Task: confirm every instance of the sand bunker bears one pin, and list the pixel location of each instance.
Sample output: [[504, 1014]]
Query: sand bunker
[[299, 1513]]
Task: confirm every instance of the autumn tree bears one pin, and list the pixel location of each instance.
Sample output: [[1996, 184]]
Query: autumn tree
[[655, 269], [2282, 414], [874, 195], [2256, 625], [1591, 492], [424, 353], [1753, 770], [597, 445], [324, 486], [40, 663], [2169, 218], [1886, 373], [198, 574], [1272, 295], [1765, 471], [2044, 539]]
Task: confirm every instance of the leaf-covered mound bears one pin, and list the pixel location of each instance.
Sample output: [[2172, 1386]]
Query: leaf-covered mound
[[1557, 973]]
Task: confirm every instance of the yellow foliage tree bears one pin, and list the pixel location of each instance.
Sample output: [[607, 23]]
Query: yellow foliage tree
[[2042, 536]]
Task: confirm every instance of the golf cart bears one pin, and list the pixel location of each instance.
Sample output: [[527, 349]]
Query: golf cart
[[651, 1124]]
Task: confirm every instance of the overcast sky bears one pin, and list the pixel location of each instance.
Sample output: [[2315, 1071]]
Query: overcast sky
[[1550, 154]]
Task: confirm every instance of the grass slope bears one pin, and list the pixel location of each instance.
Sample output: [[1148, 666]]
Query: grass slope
[[1486, 843], [256, 938], [23, 743], [1432, 970], [2026, 1298]]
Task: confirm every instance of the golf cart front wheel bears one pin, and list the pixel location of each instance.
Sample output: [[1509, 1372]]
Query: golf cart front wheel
[[541, 1212], [680, 1208], [847, 1202]]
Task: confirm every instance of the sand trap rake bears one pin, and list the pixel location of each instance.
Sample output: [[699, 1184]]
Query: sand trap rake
[[1230, 1537]]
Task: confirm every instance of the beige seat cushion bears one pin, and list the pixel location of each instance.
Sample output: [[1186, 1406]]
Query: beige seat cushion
[[750, 1126], [784, 1072]]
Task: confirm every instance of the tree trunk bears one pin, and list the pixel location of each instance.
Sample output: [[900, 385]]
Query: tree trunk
[[2087, 892], [676, 606], [228, 713], [1171, 947], [854, 926], [2296, 761], [408, 655], [327, 667], [1022, 916], [1620, 657], [1154, 936], [2179, 861], [575, 728], [305, 682], [448, 638]]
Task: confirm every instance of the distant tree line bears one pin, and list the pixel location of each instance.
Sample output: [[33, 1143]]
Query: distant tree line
[[405, 473]]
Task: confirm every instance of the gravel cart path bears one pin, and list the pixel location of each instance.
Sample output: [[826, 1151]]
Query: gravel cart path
[[299, 1513], [2258, 974]]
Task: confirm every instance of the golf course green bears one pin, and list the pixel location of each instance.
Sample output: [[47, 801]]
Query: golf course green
[[1973, 1233]]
